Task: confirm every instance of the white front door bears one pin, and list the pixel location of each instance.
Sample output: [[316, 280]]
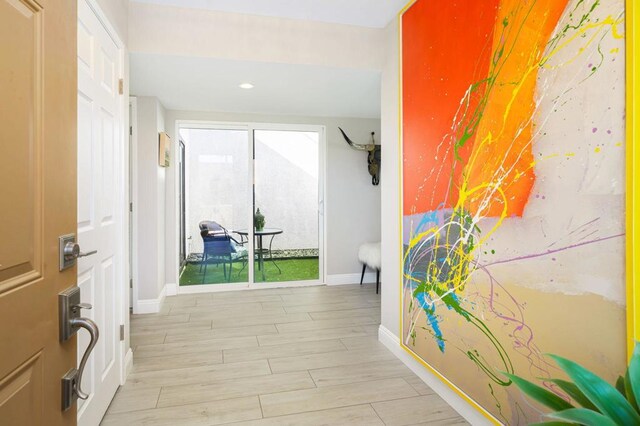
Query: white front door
[[99, 213]]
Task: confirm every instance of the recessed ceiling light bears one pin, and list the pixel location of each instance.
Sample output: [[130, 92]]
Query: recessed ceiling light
[[246, 86]]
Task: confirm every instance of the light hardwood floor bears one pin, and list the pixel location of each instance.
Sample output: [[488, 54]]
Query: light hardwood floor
[[299, 356]]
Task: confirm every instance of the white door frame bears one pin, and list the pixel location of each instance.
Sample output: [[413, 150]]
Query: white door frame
[[250, 127], [133, 173], [122, 193]]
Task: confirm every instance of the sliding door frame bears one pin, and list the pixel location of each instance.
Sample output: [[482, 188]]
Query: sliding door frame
[[251, 128], [322, 221]]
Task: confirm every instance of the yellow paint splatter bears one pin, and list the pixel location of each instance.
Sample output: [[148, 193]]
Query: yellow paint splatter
[[614, 50], [597, 150]]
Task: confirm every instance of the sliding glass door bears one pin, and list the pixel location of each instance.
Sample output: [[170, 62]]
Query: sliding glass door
[[252, 209], [286, 200], [217, 195]]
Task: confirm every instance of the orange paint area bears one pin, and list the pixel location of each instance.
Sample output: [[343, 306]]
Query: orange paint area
[[469, 73], [446, 48], [502, 156]]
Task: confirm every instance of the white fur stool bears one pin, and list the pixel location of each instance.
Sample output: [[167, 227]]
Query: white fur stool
[[369, 254]]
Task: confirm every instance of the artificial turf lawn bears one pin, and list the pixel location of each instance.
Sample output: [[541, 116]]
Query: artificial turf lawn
[[292, 270]]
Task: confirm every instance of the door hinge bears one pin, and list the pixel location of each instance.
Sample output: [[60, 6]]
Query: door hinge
[[130, 130], [121, 86], [130, 282], [130, 207], [122, 332]]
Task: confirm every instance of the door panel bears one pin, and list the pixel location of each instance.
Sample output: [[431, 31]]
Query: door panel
[[286, 168], [99, 224], [22, 112], [37, 189]]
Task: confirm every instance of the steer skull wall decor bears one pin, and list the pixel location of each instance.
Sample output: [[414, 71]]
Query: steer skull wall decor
[[373, 158]]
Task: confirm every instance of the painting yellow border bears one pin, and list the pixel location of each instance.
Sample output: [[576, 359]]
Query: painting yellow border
[[632, 13], [633, 168]]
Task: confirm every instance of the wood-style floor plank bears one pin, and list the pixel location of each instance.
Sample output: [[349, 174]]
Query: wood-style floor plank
[[294, 356], [234, 388], [331, 359], [279, 404], [358, 415], [295, 338], [428, 409], [205, 414], [284, 350], [360, 372]]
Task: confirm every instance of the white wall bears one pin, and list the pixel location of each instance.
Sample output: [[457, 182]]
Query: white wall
[[390, 185], [203, 33], [352, 202], [150, 203], [117, 12]]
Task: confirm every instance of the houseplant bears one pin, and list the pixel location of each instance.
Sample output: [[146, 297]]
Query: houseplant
[[258, 220], [593, 400]]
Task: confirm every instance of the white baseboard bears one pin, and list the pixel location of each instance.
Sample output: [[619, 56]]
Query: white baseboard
[[150, 306], [216, 288], [466, 410], [172, 289], [209, 288], [342, 279], [128, 365]]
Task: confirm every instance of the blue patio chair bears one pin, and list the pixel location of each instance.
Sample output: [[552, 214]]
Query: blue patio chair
[[220, 248]]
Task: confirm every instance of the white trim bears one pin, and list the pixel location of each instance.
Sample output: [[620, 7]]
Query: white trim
[[133, 164], [211, 288], [217, 288], [284, 284], [322, 206], [102, 17], [466, 410], [251, 194], [151, 306], [172, 289], [128, 365], [343, 279], [250, 127]]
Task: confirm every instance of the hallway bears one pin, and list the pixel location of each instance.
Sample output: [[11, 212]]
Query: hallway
[[293, 356]]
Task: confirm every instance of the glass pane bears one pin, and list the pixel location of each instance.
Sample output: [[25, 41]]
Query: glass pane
[[286, 186], [216, 206]]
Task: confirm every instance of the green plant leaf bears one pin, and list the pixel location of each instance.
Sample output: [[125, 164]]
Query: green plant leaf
[[540, 394], [604, 396], [551, 423], [620, 386], [633, 373], [574, 393], [583, 416], [631, 397]]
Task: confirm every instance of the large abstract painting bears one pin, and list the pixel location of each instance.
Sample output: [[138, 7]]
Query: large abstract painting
[[513, 150]]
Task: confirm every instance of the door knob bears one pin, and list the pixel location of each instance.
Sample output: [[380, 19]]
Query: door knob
[[72, 251]]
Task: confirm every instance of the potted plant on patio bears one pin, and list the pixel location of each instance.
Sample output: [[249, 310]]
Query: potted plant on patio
[[258, 220]]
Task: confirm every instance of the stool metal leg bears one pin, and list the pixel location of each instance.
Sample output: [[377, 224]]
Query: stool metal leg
[[377, 280], [364, 267]]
